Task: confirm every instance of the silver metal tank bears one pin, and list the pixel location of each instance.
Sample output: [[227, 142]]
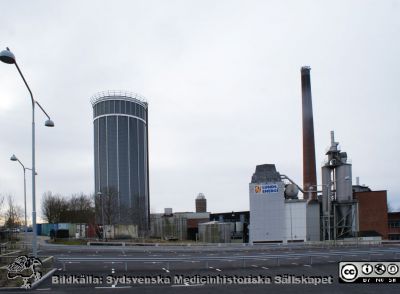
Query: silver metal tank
[[326, 189], [344, 188]]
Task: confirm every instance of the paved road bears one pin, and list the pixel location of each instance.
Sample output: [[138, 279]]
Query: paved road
[[194, 261], [254, 270]]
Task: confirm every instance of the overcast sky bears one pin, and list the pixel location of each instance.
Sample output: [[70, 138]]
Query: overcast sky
[[222, 79]]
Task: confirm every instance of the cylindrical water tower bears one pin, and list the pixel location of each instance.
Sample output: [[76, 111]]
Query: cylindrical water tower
[[121, 162]]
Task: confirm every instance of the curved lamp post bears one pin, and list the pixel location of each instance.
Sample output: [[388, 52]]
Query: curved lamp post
[[14, 158], [8, 57], [102, 213]]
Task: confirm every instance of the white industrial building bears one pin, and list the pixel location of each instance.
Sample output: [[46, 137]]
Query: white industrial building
[[276, 214]]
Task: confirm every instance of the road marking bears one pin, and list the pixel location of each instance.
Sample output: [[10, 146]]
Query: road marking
[[48, 258], [188, 285], [43, 289], [253, 265], [11, 252], [113, 287], [217, 269], [112, 262], [210, 267], [153, 262], [165, 270], [308, 265], [265, 268], [295, 263]]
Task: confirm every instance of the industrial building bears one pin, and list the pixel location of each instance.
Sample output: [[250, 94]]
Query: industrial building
[[333, 210], [201, 203], [277, 215], [121, 164], [394, 225]]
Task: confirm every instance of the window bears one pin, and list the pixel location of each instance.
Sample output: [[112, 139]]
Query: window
[[107, 107], [118, 106], [112, 106], [123, 106]]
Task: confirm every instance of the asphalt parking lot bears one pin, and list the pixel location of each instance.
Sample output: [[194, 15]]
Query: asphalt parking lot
[[201, 270]]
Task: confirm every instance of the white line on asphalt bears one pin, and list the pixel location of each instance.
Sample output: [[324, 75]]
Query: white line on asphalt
[[188, 285], [11, 252], [112, 262], [165, 270], [43, 289], [217, 269], [307, 265], [253, 265], [153, 262], [113, 287], [210, 267], [295, 263], [265, 268], [48, 258]]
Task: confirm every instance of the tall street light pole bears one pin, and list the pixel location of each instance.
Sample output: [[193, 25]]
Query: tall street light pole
[[102, 214], [14, 158], [8, 57]]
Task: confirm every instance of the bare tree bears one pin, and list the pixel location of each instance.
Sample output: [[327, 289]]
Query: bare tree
[[107, 206], [1, 209], [13, 214], [53, 207], [80, 209]]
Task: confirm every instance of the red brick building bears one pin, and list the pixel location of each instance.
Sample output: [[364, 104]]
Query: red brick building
[[372, 212], [394, 225]]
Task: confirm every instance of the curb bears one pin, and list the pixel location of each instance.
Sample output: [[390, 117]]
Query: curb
[[37, 283], [34, 285]]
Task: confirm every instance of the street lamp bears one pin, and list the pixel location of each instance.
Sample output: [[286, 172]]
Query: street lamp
[[14, 158], [8, 57], [102, 213]]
